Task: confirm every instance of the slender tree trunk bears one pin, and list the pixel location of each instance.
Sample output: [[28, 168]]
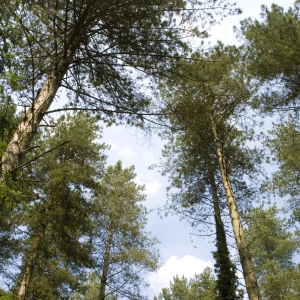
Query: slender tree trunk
[[106, 262], [246, 262], [31, 264]]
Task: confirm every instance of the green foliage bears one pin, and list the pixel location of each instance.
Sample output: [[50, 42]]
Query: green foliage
[[273, 247], [111, 39], [90, 289], [118, 213], [66, 207], [58, 186], [225, 270], [54, 278], [200, 89], [201, 286], [13, 80], [8, 120], [11, 198], [6, 297], [273, 55], [284, 144]]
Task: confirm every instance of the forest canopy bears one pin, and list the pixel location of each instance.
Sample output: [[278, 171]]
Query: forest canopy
[[74, 227]]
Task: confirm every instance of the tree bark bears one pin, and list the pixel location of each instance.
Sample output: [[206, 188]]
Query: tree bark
[[106, 262], [22, 138], [245, 257], [31, 264], [27, 128]]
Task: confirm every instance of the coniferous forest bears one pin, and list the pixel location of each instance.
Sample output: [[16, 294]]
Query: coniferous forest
[[72, 226]]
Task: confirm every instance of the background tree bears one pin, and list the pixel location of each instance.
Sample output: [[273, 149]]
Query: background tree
[[273, 247], [89, 289], [273, 56], [201, 286], [283, 142], [123, 250]]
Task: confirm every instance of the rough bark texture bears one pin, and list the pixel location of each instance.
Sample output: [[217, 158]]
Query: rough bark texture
[[106, 262], [22, 138], [245, 258]]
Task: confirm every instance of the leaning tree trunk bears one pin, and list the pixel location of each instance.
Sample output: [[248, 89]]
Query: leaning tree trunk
[[27, 128], [30, 265], [106, 262], [22, 138], [245, 257]]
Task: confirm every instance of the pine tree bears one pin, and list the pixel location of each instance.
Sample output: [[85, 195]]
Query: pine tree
[[192, 169], [97, 51], [57, 184], [273, 57], [273, 246], [122, 248], [201, 286], [205, 101]]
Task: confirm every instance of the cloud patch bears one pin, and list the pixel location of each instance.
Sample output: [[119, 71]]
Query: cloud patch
[[128, 154], [152, 187]]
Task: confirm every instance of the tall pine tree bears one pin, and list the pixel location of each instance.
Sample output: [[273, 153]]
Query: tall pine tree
[[205, 101]]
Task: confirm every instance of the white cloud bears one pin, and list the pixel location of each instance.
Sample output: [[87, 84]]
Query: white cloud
[[128, 153], [114, 146], [152, 187], [187, 266], [149, 157]]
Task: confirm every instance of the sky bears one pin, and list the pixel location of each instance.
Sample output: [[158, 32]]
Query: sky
[[181, 252]]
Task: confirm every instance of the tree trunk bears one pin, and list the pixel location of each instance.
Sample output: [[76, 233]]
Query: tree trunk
[[31, 264], [106, 262], [22, 138], [27, 128], [226, 283], [245, 258], [215, 197]]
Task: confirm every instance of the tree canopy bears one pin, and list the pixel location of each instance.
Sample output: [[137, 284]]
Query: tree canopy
[[96, 50], [273, 246], [273, 55], [72, 227]]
